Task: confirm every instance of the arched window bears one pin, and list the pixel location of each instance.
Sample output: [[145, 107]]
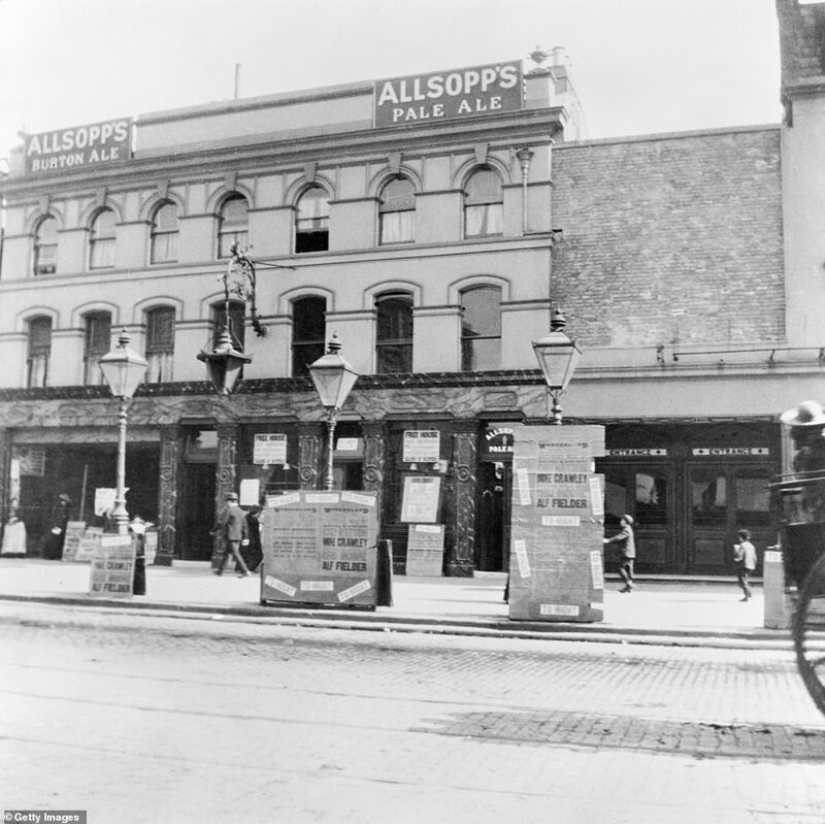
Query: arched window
[[483, 200], [312, 221], [40, 347], [309, 330], [45, 247], [98, 336], [102, 240], [481, 328], [397, 212], [234, 225], [165, 234], [160, 343], [394, 334]]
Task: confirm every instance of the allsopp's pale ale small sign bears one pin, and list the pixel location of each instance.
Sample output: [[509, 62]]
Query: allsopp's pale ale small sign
[[79, 146], [457, 93]]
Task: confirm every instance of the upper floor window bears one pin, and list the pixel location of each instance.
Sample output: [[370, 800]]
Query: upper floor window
[[397, 212], [481, 328], [160, 344], [102, 240], [45, 247], [98, 337], [394, 333], [234, 225], [483, 200], [309, 330], [40, 348], [165, 234], [312, 221]]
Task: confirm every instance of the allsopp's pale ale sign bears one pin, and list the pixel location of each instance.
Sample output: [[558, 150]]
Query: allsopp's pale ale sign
[[79, 146], [457, 93]]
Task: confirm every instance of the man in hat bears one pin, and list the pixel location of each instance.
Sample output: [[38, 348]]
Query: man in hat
[[232, 532], [626, 544], [53, 545]]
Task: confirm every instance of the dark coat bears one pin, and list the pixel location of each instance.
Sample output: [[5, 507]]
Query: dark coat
[[625, 542], [232, 523]]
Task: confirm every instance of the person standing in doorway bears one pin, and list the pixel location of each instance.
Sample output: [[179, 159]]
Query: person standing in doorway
[[744, 558], [626, 545], [53, 545], [232, 531]]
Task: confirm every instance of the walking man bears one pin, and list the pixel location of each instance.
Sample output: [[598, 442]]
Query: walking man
[[626, 545], [744, 557], [232, 532]]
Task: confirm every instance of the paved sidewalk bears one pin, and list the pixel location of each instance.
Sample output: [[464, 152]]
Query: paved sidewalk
[[659, 611]]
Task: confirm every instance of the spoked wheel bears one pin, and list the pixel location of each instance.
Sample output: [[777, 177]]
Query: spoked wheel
[[809, 633]]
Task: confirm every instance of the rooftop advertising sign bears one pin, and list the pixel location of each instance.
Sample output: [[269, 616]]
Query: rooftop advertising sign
[[79, 146], [459, 93]]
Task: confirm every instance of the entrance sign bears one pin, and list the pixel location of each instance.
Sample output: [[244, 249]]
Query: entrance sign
[[421, 446], [421, 498], [320, 548], [425, 550], [556, 571], [113, 567], [496, 87]]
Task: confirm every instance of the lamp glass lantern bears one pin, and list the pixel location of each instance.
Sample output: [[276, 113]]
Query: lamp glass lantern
[[334, 378], [558, 357], [123, 369], [224, 363]]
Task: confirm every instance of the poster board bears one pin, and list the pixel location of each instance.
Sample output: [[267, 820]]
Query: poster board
[[421, 497], [425, 550], [320, 548], [269, 449], [71, 541], [14, 538], [113, 567], [150, 546], [89, 543], [556, 558], [421, 446]]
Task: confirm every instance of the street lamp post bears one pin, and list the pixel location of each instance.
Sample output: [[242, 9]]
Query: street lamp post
[[558, 357], [333, 378], [123, 370]]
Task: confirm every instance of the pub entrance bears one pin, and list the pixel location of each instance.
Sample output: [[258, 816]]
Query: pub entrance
[[494, 499], [196, 512]]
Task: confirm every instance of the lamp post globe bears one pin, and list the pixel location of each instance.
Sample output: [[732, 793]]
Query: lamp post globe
[[558, 357]]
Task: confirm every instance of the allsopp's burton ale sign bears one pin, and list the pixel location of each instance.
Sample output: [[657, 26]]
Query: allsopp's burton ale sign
[[457, 93], [79, 146]]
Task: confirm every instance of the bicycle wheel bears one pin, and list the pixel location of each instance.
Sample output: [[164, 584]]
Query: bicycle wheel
[[809, 633]]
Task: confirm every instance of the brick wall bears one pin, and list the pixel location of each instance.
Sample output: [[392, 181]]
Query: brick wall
[[671, 239]]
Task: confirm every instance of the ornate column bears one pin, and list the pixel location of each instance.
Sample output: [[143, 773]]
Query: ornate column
[[310, 442], [170, 453], [226, 471], [375, 436], [460, 556]]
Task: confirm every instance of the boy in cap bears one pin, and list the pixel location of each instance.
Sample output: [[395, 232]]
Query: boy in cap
[[232, 530], [626, 544]]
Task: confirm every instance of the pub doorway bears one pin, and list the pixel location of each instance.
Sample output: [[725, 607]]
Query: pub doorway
[[196, 512], [493, 537]]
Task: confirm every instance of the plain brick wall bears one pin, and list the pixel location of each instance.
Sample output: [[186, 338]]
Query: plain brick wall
[[671, 239]]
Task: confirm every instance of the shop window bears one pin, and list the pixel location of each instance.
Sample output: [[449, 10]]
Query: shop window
[[233, 225], [102, 240], [165, 234], [309, 329], [651, 498], [45, 247], [483, 209], [201, 446], [160, 344], [394, 335], [481, 328], [312, 221], [397, 212], [39, 350], [709, 496], [752, 499], [97, 342]]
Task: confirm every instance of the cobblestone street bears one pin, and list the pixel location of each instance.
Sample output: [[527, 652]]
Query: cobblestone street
[[173, 719]]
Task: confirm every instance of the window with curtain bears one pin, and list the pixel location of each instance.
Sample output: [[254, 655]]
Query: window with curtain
[[39, 350], [165, 234], [312, 221], [97, 342], [483, 204], [396, 212], [160, 344], [481, 328], [394, 333], [233, 225], [102, 240], [45, 247], [309, 330]]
